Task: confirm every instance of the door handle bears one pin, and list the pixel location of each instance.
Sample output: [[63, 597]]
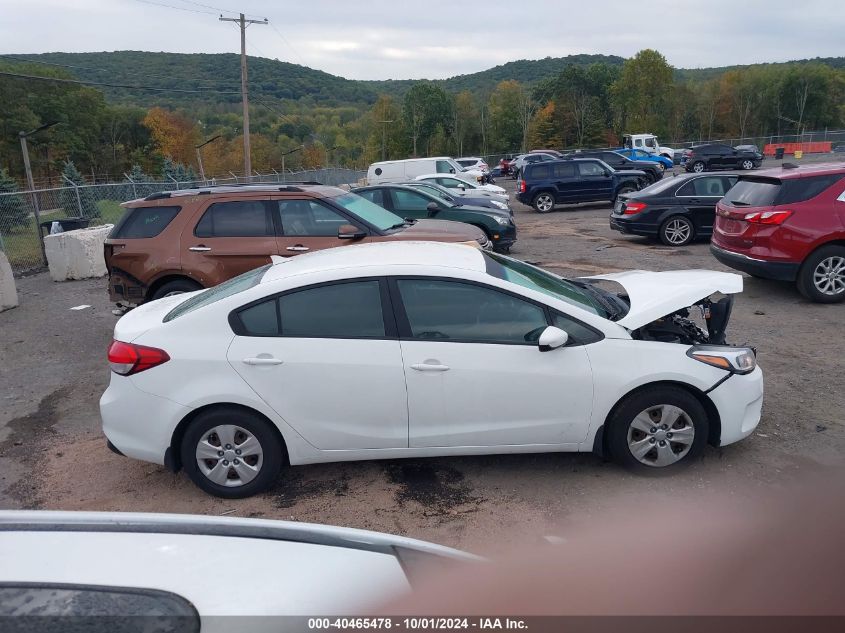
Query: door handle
[[199, 249], [298, 247], [262, 360], [430, 366]]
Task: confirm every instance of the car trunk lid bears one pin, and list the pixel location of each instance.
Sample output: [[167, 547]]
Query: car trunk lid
[[147, 316], [653, 295]]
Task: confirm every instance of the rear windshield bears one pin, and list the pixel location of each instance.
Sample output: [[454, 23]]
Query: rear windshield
[[370, 212], [141, 222], [660, 186], [753, 192], [221, 291]]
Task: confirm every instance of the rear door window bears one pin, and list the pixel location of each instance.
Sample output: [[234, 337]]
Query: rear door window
[[240, 218], [801, 189], [142, 222], [374, 195], [539, 172], [564, 170]]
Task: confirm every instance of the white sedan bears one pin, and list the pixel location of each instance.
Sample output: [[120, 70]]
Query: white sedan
[[383, 351], [63, 568], [462, 186]]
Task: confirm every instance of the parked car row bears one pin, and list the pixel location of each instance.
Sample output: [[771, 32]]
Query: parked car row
[[786, 224]]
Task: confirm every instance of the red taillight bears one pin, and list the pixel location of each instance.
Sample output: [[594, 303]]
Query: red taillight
[[634, 207], [767, 217], [521, 186], [127, 359], [690, 154]]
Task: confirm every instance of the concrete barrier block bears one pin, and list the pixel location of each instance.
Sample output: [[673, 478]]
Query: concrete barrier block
[[8, 291], [77, 254]]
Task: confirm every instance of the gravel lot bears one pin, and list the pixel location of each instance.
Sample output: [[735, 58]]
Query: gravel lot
[[52, 454]]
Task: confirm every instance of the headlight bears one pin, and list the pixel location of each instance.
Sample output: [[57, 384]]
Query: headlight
[[737, 360], [503, 221], [499, 205]]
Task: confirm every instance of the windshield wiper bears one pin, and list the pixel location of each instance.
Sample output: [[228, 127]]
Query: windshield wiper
[[610, 302]]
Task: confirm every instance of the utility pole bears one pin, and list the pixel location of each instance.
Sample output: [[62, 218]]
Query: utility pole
[[243, 23], [199, 155], [383, 138], [31, 183]]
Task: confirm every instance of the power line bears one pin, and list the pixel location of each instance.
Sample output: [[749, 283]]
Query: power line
[[170, 6], [208, 6], [274, 111], [104, 70], [285, 40], [111, 85]]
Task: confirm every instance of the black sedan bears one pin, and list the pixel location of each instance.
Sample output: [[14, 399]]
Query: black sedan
[[675, 210], [710, 156]]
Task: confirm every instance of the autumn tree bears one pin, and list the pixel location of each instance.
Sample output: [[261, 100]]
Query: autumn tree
[[173, 134]]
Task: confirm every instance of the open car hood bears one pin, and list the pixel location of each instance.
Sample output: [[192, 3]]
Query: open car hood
[[655, 295]]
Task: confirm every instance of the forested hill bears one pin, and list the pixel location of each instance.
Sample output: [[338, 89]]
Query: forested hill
[[216, 77]]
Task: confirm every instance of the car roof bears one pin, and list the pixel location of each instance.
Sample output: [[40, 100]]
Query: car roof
[[247, 190], [380, 254], [800, 171]]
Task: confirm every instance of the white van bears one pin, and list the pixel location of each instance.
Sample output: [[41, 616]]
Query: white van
[[405, 170]]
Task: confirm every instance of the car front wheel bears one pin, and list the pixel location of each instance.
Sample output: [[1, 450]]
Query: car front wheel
[[231, 453], [747, 164], [543, 202], [698, 166], [657, 430], [822, 275]]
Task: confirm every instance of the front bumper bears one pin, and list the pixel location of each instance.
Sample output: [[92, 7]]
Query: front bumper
[[739, 400], [779, 271]]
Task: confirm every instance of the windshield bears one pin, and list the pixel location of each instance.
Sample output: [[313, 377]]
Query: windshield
[[529, 276], [228, 288], [368, 211], [753, 193]]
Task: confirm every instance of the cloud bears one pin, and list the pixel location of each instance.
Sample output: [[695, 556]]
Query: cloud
[[385, 39]]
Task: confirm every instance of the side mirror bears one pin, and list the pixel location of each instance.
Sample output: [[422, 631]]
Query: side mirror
[[433, 209], [462, 187], [552, 338], [350, 232], [451, 171]]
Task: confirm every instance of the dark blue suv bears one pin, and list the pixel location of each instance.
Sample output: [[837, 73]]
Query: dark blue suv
[[567, 181]]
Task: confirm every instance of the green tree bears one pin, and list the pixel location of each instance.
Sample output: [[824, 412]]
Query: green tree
[[136, 174], [642, 93], [76, 199], [425, 107], [506, 132], [464, 120], [13, 208]]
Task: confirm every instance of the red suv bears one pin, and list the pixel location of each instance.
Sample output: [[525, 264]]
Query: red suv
[[787, 224]]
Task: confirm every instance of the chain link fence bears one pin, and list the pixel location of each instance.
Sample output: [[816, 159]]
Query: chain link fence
[[26, 216]]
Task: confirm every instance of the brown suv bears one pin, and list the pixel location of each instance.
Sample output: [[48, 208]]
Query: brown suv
[[179, 241]]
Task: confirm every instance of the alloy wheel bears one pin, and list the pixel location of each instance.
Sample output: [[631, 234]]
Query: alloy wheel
[[747, 164], [229, 455], [698, 167], [661, 435], [829, 276], [544, 203], [677, 231]]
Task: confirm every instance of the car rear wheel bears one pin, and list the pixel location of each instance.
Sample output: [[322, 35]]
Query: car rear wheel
[[699, 166], [662, 167], [175, 287], [543, 202], [658, 430], [231, 453], [822, 275], [747, 164], [677, 231]]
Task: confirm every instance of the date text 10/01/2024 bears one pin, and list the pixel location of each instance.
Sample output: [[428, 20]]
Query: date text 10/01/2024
[[416, 624]]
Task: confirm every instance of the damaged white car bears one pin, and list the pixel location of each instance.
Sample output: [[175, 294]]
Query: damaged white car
[[384, 351]]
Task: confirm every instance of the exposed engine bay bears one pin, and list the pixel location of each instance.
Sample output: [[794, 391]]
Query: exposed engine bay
[[682, 326]]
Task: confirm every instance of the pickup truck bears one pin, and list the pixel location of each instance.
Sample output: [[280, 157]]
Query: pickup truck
[[647, 143]]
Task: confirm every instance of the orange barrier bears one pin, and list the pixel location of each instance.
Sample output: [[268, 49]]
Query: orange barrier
[[790, 148]]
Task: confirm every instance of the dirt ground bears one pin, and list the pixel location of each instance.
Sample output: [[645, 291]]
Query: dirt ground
[[52, 453]]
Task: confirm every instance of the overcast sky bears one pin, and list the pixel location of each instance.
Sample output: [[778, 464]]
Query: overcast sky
[[378, 39]]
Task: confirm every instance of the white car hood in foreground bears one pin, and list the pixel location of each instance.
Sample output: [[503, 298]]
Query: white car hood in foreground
[[654, 295]]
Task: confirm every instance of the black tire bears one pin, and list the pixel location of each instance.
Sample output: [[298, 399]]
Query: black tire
[[699, 167], [650, 399], [175, 287], [830, 259], [269, 464], [623, 190], [677, 231], [543, 202]]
